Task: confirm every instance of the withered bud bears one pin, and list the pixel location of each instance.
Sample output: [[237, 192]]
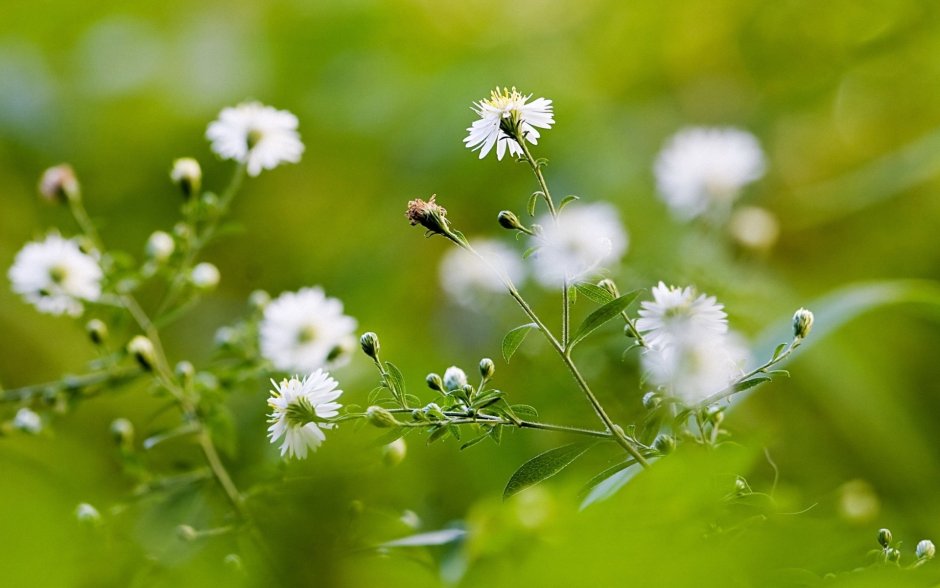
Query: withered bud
[[59, 184], [429, 215]]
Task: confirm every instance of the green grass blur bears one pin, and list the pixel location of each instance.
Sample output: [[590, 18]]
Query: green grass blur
[[841, 94]]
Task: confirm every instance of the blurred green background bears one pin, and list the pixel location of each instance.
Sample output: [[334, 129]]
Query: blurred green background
[[843, 97]]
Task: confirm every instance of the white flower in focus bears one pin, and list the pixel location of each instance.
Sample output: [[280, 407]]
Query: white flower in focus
[[300, 409], [258, 136], [676, 315], [692, 369], [585, 238], [507, 109], [28, 421], [464, 276], [55, 276], [700, 168], [305, 330]]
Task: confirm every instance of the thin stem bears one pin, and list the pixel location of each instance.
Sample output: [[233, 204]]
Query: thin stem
[[72, 383], [84, 221], [565, 313], [221, 474], [463, 418], [537, 170], [732, 389]]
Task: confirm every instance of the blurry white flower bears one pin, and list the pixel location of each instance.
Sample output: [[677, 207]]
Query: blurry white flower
[[585, 238], [454, 378], [300, 409], [258, 136], [305, 330], [676, 315], [704, 167], [87, 514], [28, 421], [507, 109], [693, 368], [754, 228], [205, 276], [464, 276], [160, 246], [55, 276]]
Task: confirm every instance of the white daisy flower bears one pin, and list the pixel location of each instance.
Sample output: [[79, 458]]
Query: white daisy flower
[[702, 168], [300, 412], [676, 315], [584, 239], [504, 116], [55, 276], [305, 330], [28, 421], [258, 136], [467, 279], [692, 369]]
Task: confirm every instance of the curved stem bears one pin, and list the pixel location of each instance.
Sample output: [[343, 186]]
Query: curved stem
[[732, 389], [537, 170]]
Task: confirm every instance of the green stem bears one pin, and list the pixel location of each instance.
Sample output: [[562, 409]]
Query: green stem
[[73, 383], [221, 474], [732, 389], [565, 313], [84, 222], [537, 170]]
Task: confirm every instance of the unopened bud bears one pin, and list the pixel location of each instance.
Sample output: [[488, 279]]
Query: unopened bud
[[122, 431], [610, 286], [651, 400], [59, 184], [234, 562], [433, 411], [435, 382], [87, 514], [381, 417], [97, 331], [454, 378], [884, 537], [487, 368], [187, 174], [258, 299], [508, 220], [160, 246], [186, 533], [205, 276], [802, 323], [185, 371], [27, 421], [394, 453], [370, 344], [893, 554], [925, 549], [664, 444], [142, 350]]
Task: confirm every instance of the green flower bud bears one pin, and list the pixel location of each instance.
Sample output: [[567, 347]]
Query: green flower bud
[[610, 286], [143, 351], [651, 400], [508, 220], [435, 383], [925, 549], [885, 537], [394, 453], [122, 430], [370, 344], [487, 368], [187, 174], [87, 514], [664, 444], [802, 323], [97, 331], [892, 554], [381, 417], [59, 184]]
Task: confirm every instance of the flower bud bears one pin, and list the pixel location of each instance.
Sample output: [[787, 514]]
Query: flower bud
[[87, 514], [454, 378], [381, 417], [487, 368], [925, 549], [205, 276], [258, 299], [187, 174], [508, 220], [802, 323], [429, 215], [233, 562], [160, 246], [892, 554], [435, 383], [370, 344], [97, 331], [610, 286], [185, 371], [27, 421], [186, 533], [394, 453], [142, 350], [884, 537], [664, 444], [122, 431], [651, 400], [433, 411], [59, 184]]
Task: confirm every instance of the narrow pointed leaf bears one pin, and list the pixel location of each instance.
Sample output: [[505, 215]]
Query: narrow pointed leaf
[[395, 381], [566, 201], [544, 466], [610, 485], [514, 338], [600, 316], [594, 293], [441, 537], [533, 199]]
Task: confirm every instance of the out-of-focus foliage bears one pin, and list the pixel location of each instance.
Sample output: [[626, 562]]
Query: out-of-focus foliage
[[842, 96]]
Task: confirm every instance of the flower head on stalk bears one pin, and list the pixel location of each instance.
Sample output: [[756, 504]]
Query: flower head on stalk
[[258, 136], [55, 276], [433, 217], [506, 118], [677, 314], [300, 412], [306, 330]]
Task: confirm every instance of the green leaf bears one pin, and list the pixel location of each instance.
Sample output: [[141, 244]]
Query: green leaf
[[524, 411], [438, 433], [475, 440], [514, 338], [528, 252], [544, 466], [594, 292], [566, 201], [609, 482], [374, 394], [396, 382], [496, 434], [572, 294], [441, 537], [601, 316], [778, 350], [533, 200], [756, 381]]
